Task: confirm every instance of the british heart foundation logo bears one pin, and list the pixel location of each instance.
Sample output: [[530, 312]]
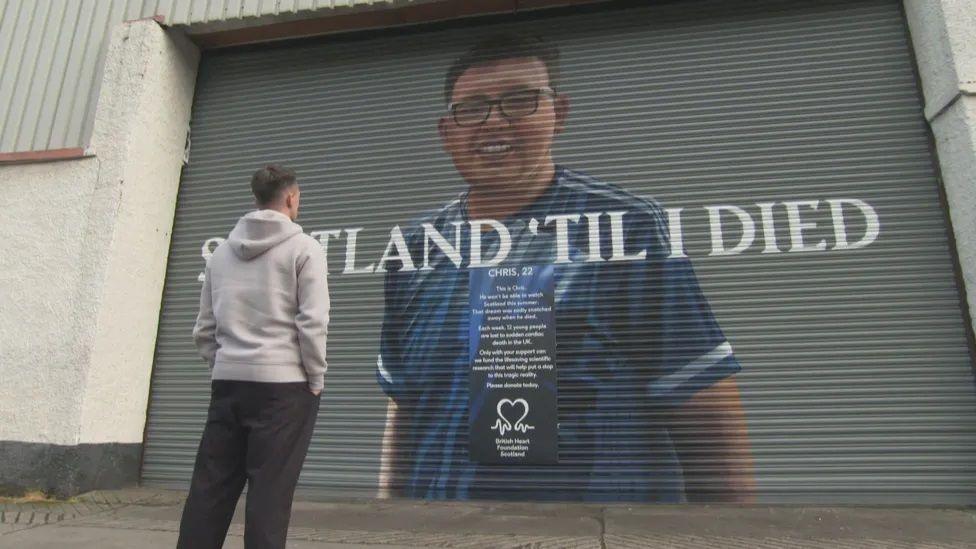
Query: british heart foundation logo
[[507, 411]]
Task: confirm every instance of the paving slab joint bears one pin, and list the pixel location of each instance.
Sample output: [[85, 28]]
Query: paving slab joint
[[602, 519], [37, 513]]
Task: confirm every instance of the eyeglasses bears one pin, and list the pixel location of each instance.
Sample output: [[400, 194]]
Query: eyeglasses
[[512, 105]]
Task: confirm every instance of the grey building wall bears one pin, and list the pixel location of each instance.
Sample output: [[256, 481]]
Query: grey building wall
[[52, 53]]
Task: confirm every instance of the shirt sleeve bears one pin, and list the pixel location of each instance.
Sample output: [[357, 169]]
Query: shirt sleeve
[[688, 351], [694, 353], [312, 319], [205, 329], [389, 371]]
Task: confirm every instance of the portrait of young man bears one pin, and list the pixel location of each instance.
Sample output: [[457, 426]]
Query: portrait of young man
[[648, 407]]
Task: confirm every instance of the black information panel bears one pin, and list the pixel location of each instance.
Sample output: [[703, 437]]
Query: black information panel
[[512, 346]]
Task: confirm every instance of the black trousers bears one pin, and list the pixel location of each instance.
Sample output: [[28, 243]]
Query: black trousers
[[256, 433]]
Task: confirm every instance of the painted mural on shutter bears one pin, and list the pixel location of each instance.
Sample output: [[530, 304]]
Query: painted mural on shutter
[[707, 261]]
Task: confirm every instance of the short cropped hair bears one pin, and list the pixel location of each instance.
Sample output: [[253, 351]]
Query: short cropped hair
[[500, 47], [269, 182]]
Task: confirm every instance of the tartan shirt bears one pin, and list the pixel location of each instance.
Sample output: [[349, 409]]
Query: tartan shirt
[[634, 339]]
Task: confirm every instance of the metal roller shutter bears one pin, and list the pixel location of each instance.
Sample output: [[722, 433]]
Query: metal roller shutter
[[856, 375]]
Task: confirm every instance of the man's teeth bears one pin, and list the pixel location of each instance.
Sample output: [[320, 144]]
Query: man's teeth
[[494, 148]]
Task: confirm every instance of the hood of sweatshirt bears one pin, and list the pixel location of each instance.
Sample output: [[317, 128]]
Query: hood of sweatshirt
[[259, 231]]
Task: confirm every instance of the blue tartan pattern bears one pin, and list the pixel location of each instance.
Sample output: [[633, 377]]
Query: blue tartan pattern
[[634, 339]]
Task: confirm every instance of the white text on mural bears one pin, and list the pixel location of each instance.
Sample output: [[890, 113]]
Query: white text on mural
[[794, 226]]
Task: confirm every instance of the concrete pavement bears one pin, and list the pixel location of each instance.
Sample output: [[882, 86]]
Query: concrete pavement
[[148, 519]]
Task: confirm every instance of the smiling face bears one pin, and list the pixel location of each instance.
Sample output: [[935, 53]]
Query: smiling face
[[504, 152]]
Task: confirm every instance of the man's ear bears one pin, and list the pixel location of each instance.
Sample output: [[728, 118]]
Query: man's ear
[[442, 126], [561, 108]]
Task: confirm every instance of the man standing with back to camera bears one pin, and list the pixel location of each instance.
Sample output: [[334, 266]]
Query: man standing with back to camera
[[262, 326]]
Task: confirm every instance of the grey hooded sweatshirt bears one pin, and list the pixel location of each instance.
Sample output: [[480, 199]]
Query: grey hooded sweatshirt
[[264, 308]]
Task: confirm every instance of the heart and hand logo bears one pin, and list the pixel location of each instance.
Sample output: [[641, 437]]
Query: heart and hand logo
[[508, 409]]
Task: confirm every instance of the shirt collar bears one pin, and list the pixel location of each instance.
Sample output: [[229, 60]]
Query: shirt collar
[[539, 208]]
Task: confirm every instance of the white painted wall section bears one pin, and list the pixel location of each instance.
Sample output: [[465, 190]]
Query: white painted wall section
[[140, 133], [45, 330], [86, 244], [944, 37]]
